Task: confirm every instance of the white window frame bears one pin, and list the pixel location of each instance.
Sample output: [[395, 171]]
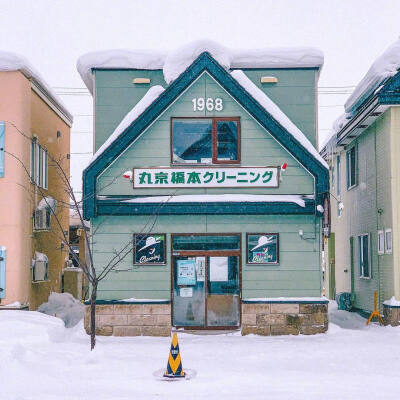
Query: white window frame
[[381, 242], [39, 164], [388, 249], [360, 255], [44, 170]]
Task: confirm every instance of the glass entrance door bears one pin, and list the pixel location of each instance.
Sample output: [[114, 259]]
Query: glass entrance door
[[206, 283]]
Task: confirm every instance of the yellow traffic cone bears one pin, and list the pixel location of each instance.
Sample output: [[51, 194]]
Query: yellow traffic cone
[[174, 367]]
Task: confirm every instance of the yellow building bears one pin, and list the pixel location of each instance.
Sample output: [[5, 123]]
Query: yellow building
[[34, 127]]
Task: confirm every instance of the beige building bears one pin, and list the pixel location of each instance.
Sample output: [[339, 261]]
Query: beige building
[[34, 127], [363, 252]]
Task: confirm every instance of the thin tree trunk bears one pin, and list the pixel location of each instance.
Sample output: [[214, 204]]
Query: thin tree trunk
[[93, 298]]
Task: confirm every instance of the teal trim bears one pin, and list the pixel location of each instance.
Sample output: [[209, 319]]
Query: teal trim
[[2, 140], [2, 272], [115, 207], [105, 302], [203, 63], [285, 301]]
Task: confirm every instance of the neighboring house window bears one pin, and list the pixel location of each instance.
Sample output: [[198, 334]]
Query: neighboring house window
[[205, 140], [338, 175], [388, 241], [39, 164], [381, 242], [351, 161], [40, 267], [364, 256]]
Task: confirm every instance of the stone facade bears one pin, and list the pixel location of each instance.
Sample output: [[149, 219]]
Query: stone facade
[[284, 318], [131, 319], [391, 315]]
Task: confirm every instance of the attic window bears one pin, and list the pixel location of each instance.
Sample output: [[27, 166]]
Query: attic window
[[141, 80], [269, 79], [205, 140]]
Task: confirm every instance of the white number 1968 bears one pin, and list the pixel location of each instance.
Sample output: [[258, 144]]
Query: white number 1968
[[210, 104]]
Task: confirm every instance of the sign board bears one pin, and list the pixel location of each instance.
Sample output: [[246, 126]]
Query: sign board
[[262, 248], [218, 269], [149, 249], [206, 177]]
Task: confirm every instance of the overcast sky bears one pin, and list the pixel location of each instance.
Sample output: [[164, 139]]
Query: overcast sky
[[53, 34]]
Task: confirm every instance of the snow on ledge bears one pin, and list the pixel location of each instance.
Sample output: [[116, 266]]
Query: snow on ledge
[[135, 300], [16, 62], [392, 302], [385, 66], [276, 113], [216, 198], [152, 94], [286, 299]]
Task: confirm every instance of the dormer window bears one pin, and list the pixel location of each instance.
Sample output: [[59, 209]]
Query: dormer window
[[205, 140]]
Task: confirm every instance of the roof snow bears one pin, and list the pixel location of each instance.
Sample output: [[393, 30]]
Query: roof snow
[[175, 62], [16, 62], [276, 113], [152, 94], [383, 67]]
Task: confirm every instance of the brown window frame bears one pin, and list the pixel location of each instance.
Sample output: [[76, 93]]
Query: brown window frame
[[214, 139]]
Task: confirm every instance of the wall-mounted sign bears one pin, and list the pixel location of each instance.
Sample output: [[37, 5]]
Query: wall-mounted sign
[[262, 248], [149, 249], [206, 177]]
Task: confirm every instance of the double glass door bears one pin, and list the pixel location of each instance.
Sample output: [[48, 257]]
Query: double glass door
[[206, 290]]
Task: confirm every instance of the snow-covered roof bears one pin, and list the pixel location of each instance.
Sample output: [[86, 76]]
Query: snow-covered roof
[[383, 67], [176, 61], [16, 62], [276, 113], [216, 198]]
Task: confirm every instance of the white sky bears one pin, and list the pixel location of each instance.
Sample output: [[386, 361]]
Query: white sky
[[52, 34]]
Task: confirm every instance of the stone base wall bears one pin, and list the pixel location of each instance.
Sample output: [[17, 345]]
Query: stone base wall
[[131, 319], [284, 318], [391, 315]]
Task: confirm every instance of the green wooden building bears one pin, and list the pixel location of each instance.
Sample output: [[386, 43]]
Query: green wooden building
[[205, 167]]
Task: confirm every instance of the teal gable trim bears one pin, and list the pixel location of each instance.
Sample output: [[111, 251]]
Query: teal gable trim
[[203, 63], [115, 207], [390, 93], [2, 140]]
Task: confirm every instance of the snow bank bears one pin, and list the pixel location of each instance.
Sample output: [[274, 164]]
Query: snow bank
[[215, 198], [392, 302], [118, 58], [383, 67], [16, 62], [276, 113], [176, 61], [64, 306], [152, 94]]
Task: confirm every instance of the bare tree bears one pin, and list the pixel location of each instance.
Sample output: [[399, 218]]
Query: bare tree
[[93, 276]]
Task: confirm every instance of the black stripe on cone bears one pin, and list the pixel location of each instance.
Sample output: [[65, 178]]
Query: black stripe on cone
[[174, 366]]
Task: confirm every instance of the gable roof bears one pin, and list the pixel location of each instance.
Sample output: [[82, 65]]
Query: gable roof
[[205, 62]]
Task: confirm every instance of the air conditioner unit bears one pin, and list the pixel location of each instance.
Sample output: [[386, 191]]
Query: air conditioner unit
[[42, 219], [40, 270]]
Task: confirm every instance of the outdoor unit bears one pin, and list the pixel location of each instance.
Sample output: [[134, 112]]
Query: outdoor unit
[[40, 270], [42, 219]]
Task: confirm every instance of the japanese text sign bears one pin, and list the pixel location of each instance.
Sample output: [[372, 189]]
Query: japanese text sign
[[206, 177]]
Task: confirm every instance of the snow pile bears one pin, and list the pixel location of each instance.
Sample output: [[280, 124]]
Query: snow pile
[[392, 302], [383, 67], [49, 203], [216, 198], [152, 94], [64, 306], [15, 62], [176, 61], [118, 58], [276, 113]]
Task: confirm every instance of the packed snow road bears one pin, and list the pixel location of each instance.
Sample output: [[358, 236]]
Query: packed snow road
[[41, 359]]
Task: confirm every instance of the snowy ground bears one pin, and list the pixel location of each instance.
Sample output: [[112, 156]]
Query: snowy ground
[[41, 359]]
